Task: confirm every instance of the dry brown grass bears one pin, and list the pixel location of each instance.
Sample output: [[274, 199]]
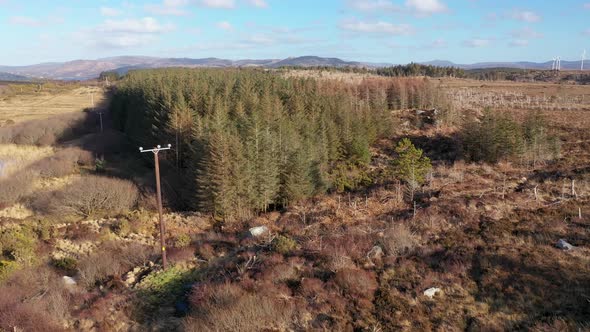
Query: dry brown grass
[[399, 240], [229, 308], [22, 107], [506, 95], [15, 158]]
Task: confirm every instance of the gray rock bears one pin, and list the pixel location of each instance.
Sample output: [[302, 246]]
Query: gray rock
[[258, 231], [564, 245], [376, 253], [69, 281], [431, 292]]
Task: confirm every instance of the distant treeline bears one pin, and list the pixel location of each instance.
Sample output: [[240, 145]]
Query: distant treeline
[[418, 70], [246, 140], [483, 74], [414, 69], [409, 70], [527, 75]]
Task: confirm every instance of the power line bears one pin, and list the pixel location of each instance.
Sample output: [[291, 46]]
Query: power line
[[155, 151]]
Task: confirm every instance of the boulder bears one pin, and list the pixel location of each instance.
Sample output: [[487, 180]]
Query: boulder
[[375, 254], [258, 231], [564, 245], [431, 292], [68, 281]]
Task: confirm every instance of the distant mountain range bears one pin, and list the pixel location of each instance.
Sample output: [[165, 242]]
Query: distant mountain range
[[565, 65], [88, 69], [12, 77]]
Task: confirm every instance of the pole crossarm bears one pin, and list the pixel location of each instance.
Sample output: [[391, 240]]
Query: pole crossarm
[[156, 149]]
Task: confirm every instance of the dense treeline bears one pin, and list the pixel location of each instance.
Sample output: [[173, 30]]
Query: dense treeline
[[409, 70], [246, 140], [415, 69], [495, 74], [527, 75]]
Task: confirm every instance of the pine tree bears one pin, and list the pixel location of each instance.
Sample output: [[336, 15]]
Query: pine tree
[[296, 181], [410, 166]]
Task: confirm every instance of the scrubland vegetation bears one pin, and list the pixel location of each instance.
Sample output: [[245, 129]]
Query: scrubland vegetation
[[367, 192]]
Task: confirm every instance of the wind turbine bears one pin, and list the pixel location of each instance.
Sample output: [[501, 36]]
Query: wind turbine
[[583, 58], [553, 63]]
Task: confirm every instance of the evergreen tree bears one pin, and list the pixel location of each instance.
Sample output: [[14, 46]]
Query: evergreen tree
[[410, 166]]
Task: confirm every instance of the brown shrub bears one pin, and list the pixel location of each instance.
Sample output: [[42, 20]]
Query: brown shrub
[[16, 187], [47, 131], [180, 254], [311, 287], [47, 139], [16, 315], [280, 273], [357, 282], [112, 260], [399, 240], [35, 299], [228, 307], [63, 162], [91, 195], [206, 251]]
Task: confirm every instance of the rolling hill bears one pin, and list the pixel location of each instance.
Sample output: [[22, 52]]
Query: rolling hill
[[12, 77], [89, 69]]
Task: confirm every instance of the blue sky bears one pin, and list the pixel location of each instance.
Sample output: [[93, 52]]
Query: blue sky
[[393, 31]]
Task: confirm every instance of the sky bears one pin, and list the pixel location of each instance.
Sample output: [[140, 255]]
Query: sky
[[384, 31]]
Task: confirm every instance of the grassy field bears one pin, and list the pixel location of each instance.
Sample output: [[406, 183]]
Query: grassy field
[[472, 94], [27, 104]]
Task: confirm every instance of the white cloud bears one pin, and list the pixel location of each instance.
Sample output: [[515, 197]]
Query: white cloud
[[525, 16], [426, 7], [379, 27], [439, 43], [24, 20], [258, 3], [125, 41], [168, 7], [477, 42], [108, 11], [147, 25], [256, 41], [227, 4], [34, 22], [124, 33], [586, 5], [225, 25], [519, 43], [373, 5], [526, 33]]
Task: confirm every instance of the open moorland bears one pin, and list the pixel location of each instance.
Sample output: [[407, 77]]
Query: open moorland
[[295, 201], [21, 101]]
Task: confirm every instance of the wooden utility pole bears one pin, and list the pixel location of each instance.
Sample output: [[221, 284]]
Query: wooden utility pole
[[155, 151], [100, 115]]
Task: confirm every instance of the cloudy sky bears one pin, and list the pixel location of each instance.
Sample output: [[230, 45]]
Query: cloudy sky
[[393, 31]]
